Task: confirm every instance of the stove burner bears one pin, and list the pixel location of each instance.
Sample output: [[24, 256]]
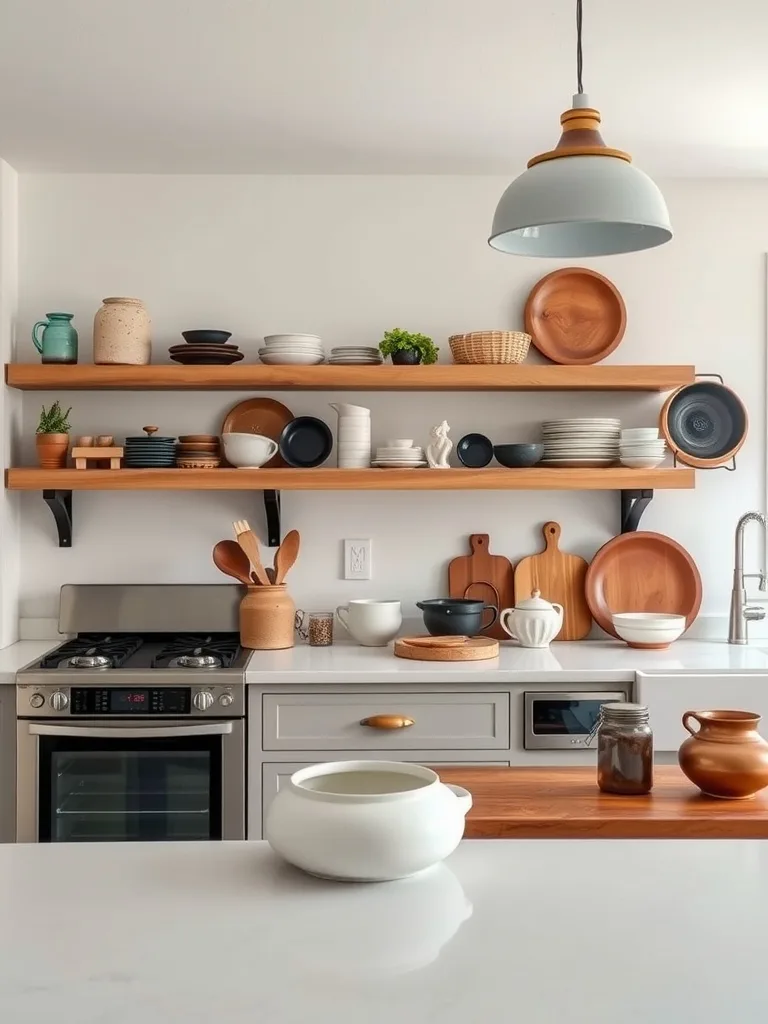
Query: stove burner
[[90, 660], [198, 660]]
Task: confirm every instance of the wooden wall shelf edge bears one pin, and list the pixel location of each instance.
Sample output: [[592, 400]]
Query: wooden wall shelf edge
[[617, 479], [443, 377]]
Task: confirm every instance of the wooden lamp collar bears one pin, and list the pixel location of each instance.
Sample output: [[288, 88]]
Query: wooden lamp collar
[[581, 135]]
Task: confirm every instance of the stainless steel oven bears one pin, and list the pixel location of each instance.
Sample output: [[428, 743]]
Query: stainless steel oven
[[562, 720], [99, 774]]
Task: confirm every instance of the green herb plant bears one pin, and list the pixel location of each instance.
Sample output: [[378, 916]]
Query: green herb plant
[[53, 420], [397, 340]]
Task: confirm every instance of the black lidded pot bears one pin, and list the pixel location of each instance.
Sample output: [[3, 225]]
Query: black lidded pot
[[459, 616]]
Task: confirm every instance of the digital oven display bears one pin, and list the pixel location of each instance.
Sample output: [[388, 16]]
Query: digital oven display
[[128, 701]]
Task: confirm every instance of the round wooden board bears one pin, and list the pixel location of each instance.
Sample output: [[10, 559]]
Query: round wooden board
[[642, 572], [259, 416], [575, 316], [477, 648]]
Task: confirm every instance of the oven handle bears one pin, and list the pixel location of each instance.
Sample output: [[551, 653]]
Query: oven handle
[[118, 733]]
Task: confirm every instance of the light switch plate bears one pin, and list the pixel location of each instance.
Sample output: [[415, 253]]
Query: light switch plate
[[357, 560]]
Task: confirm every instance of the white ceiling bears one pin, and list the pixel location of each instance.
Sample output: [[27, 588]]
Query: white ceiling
[[376, 86]]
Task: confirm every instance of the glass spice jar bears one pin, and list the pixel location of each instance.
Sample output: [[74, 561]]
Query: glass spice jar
[[624, 749]]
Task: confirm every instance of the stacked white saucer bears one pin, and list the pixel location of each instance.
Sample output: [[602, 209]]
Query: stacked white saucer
[[355, 355], [354, 440], [581, 442], [292, 350], [641, 448], [399, 453]]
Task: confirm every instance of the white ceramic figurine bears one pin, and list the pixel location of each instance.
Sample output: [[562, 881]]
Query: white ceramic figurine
[[440, 449]]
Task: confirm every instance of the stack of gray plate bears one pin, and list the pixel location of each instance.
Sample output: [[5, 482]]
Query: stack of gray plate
[[150, 451], [581, 443], [355, 355]]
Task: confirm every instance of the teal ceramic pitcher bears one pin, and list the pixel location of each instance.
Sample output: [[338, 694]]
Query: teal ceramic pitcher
[[59, 339]]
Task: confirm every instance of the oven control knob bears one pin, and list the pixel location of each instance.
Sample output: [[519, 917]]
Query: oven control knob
[[203, 700], [59, 700], [226, 700], [37, 700]]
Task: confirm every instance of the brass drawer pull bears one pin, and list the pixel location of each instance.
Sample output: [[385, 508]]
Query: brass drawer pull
[[387, 722]]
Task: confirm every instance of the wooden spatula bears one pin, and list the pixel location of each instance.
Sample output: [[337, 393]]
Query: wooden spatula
[[436, 641], [249, 542], [286, 555]]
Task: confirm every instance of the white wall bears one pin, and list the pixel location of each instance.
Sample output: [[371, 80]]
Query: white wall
[[347, 258]]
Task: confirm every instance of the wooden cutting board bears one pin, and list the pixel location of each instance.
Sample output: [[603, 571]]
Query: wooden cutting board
[[561, 579], [476, 648], [484, 577]]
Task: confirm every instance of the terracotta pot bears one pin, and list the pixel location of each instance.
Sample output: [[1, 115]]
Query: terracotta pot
[[121, 332], [52, 450], [726, 757], [267, 616]]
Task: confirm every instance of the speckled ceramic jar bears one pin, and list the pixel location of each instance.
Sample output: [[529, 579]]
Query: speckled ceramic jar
[[121, 332]]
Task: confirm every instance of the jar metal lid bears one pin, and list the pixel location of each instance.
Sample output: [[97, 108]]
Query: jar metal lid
[[624, 712]]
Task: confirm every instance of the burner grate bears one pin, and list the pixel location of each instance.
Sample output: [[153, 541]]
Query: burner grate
[[117, 648], [224, 648]]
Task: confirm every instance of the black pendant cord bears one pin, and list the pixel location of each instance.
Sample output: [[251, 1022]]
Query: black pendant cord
[[579, 55]]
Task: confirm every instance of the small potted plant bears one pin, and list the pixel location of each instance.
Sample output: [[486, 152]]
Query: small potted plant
[[52, 437], [407, 348]]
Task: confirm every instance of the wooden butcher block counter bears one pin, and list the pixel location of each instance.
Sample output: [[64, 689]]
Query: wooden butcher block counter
[[565, 803]]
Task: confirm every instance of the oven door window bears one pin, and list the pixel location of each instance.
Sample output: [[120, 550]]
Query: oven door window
[[565, 717], [108, 790]]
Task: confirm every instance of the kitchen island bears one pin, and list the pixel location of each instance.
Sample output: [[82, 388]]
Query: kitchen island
[[535, 932]]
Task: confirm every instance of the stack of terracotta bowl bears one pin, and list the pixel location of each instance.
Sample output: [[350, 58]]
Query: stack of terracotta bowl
[[198, 451]]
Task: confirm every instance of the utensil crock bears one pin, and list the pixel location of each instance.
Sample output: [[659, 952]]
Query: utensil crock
[[267, 615], [366, 821], [726, 757]]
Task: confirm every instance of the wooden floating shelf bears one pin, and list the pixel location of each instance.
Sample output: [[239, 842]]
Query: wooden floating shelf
[[535, 479], [441, 377]]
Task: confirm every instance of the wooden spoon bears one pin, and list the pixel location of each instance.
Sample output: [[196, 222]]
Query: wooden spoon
[[232, 560], [249, 542], [286, 555]]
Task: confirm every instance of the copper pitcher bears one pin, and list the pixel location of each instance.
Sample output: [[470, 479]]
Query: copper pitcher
[[726, 756]]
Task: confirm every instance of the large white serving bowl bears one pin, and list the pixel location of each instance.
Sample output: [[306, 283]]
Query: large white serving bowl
[[640, 434], [648, 628], [292, 359], [248, 451], [288, 339]]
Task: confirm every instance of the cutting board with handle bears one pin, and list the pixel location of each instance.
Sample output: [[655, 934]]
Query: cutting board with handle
[[560, 578], [483, 577]]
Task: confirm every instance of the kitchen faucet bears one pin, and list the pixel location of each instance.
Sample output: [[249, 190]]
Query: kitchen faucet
[[741, 612]]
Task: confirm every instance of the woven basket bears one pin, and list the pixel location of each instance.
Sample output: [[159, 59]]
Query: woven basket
[[490, 347]]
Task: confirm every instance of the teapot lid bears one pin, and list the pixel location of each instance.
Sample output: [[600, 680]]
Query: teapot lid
[[534, 603]]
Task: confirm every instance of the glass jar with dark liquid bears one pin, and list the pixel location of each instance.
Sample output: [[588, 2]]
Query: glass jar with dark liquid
[[624, 749]]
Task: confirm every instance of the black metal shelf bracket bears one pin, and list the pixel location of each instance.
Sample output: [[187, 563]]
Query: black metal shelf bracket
[[60, 503], [633, 504], [272, 508]]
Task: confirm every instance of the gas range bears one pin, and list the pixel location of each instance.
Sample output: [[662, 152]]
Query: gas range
[[131, 670]]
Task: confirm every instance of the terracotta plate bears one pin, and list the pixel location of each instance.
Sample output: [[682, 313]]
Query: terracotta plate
[[259, 416], [575, 316], [642, 572]]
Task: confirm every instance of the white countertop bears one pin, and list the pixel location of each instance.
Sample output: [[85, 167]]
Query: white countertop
[[564, 662], [528, 931], [18, 655]]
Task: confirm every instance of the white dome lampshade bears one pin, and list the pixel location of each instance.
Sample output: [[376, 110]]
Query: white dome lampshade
[[580, 199]]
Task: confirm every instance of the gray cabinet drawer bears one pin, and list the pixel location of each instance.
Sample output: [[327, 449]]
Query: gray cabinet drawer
[[332, 721]]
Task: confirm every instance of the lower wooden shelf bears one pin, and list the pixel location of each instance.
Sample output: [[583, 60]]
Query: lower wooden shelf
[[322, 479]]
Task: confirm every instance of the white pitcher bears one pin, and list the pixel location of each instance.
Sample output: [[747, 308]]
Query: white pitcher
[[344, 409]]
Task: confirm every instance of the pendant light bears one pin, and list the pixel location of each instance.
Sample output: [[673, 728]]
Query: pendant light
[[581, 198]]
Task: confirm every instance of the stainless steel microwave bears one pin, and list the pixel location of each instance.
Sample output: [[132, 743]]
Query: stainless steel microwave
[[562, 720]]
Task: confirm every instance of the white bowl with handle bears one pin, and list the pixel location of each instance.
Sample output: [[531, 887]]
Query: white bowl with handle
[[248, 451], [366, 821]]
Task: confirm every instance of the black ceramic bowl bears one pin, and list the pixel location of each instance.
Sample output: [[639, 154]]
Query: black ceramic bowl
[[705, 424], [306, 442], [448, 616], [518, 456], [475, 451], [206, 337]]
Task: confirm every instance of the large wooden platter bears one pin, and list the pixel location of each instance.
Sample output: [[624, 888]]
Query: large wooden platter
[[642, 572]]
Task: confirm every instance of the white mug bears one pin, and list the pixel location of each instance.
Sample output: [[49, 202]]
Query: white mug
[[371, 622]]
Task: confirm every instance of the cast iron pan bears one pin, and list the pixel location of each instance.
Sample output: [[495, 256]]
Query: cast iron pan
[[306, 442], [704, 424]]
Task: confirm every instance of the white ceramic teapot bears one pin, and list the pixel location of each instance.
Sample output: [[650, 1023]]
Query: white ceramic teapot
[[533, 623], [366, 821]]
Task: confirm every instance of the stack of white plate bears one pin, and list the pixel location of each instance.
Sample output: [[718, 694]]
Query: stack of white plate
[[292, 350], [641, 448], [354, 447], [399, 453], [355, 355], [581, 442]]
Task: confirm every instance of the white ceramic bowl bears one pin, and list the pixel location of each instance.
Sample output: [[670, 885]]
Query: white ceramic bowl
[[248, 451], [302, 339], [400, 442], [292, 359], [648, 628], [641, 461], [640, 433]]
